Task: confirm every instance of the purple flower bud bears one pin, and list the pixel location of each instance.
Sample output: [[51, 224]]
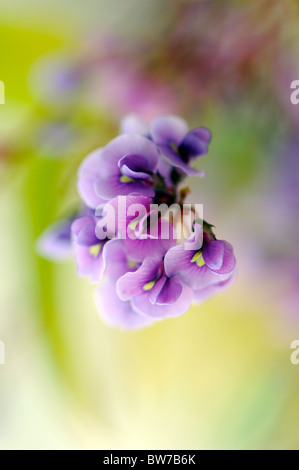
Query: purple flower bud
[[178, 145], [55, 242]]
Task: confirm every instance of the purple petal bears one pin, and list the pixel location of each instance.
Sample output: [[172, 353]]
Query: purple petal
[[89, 259], [112, 186], [89, 172], [89, 265], [132, 124], [229, 260], [55, 242], [202, 277], [213, 254], [139, 248], [132, 284], [178, 262], [87, 235], [80, 223], [134, 166], [142, 305], [195, 144], [165, 169], [170, 293], [203, 294], [176, 160], [115, 312], [127, 144], [156, 290], [169, 129], [115, 260]]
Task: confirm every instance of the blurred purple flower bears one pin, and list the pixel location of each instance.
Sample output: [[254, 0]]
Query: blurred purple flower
[[55, 242]]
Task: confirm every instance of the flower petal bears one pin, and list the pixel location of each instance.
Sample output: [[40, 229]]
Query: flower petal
[[213, 254], [195, 143], [112, 187], [116, 263], [55, 242], [88, 173], [142, 305], [170, 293], [115, 312], [176, 160], [178, 261], [201, 295], [229, 260], [127, 144], [169, 129], [89, 259], [86, 235], [133, 283], [138, 248], [134, 166]]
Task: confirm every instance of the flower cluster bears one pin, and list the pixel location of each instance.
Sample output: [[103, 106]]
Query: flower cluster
[[144, 277]]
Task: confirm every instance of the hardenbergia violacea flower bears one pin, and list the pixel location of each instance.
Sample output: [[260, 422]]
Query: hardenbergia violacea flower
[[150, 254]]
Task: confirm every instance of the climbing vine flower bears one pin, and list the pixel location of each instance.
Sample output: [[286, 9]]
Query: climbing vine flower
[[128, 238]]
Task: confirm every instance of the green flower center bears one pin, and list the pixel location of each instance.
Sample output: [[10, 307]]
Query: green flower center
[[132, 264], [198, 259], [94, 250], [126, 179], [147, 287]]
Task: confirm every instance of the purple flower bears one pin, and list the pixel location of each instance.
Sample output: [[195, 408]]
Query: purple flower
[[125, 239], [89, 174], [152, 292], [142, 289], [211, 265], [88, 249], [114, 311], [123, 167], [55, 242], [178, 145], [132, 124]]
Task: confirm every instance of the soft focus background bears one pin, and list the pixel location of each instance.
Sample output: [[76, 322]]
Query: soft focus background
[[219, 376]]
